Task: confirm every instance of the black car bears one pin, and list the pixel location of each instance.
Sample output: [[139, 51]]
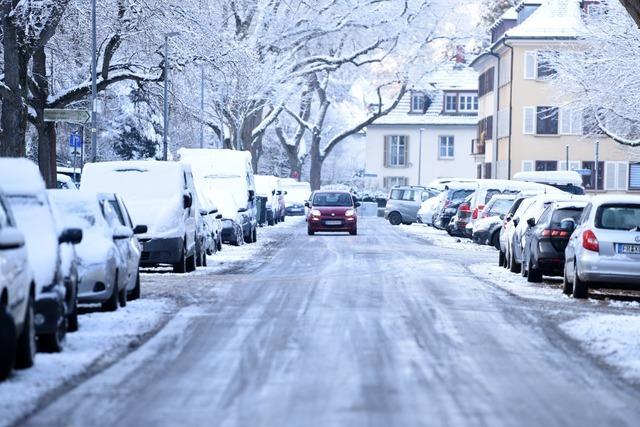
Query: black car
[[547, 239], [449, 207]]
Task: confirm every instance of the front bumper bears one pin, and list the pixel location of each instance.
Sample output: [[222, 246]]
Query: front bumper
[[161, 251], [95, 284], [320, 224]]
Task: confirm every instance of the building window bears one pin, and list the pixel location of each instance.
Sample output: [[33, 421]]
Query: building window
[[546, 165], [418, 104], [451, 102], [485, 82], [396, 151], [487, 170], [395, 181], [485, 129], [544, 67], [589, 181], [468, 103], [634, 176], [446, 147], [547, 120]]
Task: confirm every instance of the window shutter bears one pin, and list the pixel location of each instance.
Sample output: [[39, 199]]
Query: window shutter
[[623, 175], [406, 152], [386, 152], [529, 120], [527, 165], [530, 65], [610, 176], [634, 176]]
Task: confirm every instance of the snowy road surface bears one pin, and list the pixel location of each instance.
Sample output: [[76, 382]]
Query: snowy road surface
[[380, 329]]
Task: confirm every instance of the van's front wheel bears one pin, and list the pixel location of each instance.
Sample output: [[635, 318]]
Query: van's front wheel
[[181, 266]]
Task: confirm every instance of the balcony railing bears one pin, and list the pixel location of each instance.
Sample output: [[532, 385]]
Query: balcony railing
[[477, 147]]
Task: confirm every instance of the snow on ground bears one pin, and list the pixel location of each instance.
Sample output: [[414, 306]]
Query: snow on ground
[[614, 338], [442, 239], [103, 338]]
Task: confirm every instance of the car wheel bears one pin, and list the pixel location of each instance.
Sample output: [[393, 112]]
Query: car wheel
[[567, 286], [53, 342], [395, 218], [501, 260], [254, 235], [135, 292], [310, 232], [26, 350], [533, 274], [72, 317], [112, 303], [514, 267], [181, 266], [198, 255], [580, 288], [191, 263], [354, 232], [524, 267], [122, 297], [7, 342], [219, 245], [495, 240]]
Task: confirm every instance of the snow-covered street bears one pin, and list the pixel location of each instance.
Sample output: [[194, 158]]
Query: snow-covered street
[[395, 326]]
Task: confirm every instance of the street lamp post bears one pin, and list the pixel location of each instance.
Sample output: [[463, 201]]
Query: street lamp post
[[202, 107], [566, 154], [420, 158], [94, 83], [165, 118]]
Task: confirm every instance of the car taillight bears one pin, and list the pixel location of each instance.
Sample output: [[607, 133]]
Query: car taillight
[[550, 232], [476, 211], [464, 207], [590, 241]]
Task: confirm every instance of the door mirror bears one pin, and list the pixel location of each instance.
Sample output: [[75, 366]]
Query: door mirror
[[213, 211], [187, 200], [516, 221], [121, 232], [140, 229], [252, 195], [204, 212], [531, 222], [307, 204], [568, 225], [70, 235], [11, 238], [279, 193], [502, 216], [358, 204], [219, 216]]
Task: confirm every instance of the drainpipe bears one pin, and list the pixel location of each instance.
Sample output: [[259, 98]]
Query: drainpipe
[[494, 170], [510, 108]]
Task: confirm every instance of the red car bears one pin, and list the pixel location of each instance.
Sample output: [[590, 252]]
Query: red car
[[332, 211]]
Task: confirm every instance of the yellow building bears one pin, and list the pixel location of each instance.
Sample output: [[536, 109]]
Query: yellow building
[[524, 120]]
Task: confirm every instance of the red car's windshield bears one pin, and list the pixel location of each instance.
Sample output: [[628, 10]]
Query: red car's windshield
[[332, 199]]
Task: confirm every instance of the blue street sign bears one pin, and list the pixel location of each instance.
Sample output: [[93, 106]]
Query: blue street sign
[[75, 140], [584, 172]]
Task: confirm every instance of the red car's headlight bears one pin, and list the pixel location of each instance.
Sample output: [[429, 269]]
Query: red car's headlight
[[350, 212], [315, 212]]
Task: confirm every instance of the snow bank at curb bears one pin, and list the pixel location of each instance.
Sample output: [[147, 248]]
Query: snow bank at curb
[[442, 239], [614, 338], [102, 339]]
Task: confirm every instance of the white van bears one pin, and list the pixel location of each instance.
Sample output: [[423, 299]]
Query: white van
[[158, 195], [229, 171], [567, 181]]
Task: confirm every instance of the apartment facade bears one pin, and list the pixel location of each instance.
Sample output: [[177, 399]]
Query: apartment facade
[[524, 122], [430, 134]]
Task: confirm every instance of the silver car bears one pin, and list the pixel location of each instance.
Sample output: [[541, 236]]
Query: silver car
[[604, 249], [404, 203]]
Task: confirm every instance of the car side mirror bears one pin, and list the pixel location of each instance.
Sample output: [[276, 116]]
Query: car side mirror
[[273, 192], [11, 238], [140, 229], [285, 192], [502, 217], [516, 221], [531, 222], [307, 204], [70, 235], [252, 195], [279, 193], [219, 216], [213, 211], [568, 225], [121, 232], [358, 204], [187, 200]]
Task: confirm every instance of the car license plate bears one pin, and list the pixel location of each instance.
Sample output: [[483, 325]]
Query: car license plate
[[628, 249], [333, 222]]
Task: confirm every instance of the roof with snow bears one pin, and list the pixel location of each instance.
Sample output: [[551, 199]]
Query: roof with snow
[[553, 18], [451, 77], [510, 15]]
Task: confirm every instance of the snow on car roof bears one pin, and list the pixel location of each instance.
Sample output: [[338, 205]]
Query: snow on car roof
[[615, 198], [550, 177], [19, 176], [215, 160]]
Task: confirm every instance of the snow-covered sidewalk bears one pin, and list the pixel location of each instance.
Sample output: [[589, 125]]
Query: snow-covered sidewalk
[[103, 339]]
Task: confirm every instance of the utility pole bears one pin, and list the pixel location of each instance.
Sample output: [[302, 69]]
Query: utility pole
[[597, 162], [94, 83], [566, 154], [202, 107], [165, 119], [420, 158]]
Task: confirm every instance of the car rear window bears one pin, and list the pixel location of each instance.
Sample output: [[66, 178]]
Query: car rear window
[[332, 199], [490, 193], [501, 206], [618, 217], [565, 213], [459, 195]]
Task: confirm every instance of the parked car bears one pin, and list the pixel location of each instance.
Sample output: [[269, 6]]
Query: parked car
[[231, 217], [567, 181], [267, 186], [332, 211], [130, 248], [513, 218], [17, 293], [296, 195], [428, 209], [604, 247], [463, 218], [486, 229], [404, 203], [28, 199], [103, 268], [532, 214], [546, 240], [157, 195], [441, 184], [454, 194], [65, 182]]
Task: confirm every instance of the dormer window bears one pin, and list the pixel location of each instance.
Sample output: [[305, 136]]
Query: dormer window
[[418, 102], [451, 103], [461, 102]]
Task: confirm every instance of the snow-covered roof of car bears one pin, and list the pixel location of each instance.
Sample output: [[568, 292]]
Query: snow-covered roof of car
[[550, 177], [215, 160], [615, 198], [19, 176]]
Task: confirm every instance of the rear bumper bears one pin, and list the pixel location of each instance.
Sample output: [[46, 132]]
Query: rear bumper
[[162, 251], [228, 233], [607, 271], [294, 210]]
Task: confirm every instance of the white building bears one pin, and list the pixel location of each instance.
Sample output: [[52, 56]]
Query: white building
[[430, 134]]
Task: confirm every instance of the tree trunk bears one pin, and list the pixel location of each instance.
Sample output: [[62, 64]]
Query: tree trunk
[[13, 121], [46, 130], [316, 162], [633, 8]]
